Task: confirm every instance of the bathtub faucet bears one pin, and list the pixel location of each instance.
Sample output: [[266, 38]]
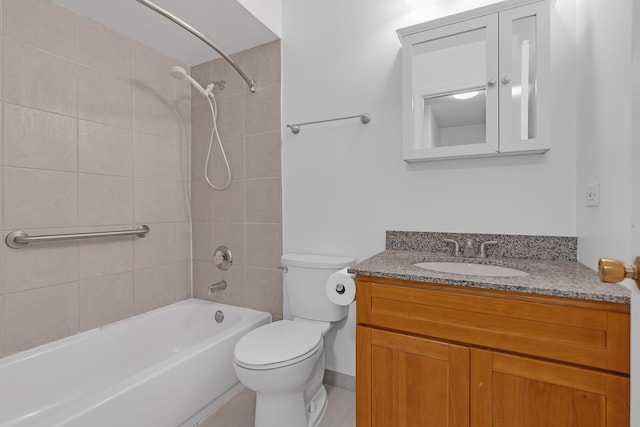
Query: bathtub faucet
[[218, 286]]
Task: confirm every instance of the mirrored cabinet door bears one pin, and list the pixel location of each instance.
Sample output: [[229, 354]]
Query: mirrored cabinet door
[[524, 70], [453, 96]]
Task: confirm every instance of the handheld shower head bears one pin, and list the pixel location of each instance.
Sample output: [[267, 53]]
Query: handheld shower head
[[179, 73]]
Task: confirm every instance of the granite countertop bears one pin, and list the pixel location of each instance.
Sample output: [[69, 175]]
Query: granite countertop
[[546, 277]]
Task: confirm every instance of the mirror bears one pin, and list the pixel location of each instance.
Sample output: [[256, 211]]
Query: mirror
[[454, 118]]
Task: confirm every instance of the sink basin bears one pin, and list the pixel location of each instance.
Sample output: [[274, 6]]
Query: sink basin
[[472, 269]]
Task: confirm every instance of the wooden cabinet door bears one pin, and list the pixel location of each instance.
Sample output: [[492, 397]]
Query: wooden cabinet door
[[406, 381], [512, 391]]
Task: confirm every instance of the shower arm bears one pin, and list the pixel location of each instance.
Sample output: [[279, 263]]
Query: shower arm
[[252, 84]]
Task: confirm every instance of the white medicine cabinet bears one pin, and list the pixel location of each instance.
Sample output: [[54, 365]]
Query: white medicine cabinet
[[475, 84]]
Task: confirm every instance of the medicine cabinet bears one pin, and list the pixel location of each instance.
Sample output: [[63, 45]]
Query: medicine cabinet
[[475, 84]]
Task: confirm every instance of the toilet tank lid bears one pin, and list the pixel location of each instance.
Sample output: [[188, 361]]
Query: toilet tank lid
[[316, 261]]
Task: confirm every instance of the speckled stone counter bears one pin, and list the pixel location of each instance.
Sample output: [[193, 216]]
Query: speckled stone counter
[[546, 277]]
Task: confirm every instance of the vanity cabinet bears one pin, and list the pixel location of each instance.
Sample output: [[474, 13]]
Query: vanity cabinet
[[475, 84], [443, 355]]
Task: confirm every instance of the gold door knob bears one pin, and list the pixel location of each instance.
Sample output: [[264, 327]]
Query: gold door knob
[[613, 271]]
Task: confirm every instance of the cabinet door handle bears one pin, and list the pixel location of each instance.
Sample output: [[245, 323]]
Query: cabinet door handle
[[506, 80], [491, 83]]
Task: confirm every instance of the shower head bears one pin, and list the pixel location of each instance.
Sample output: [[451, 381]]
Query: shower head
[[180, 74]]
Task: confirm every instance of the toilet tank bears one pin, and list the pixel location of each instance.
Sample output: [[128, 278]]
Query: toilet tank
[[305, 279]]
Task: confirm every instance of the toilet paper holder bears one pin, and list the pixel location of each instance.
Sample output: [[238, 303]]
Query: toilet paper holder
[[340, 288]]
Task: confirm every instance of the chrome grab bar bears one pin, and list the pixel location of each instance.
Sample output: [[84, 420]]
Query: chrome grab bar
[[20, 239]]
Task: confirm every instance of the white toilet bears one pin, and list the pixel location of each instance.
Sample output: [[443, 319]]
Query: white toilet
[[283, 362]]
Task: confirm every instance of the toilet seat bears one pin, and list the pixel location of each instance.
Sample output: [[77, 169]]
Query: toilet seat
[[277, 344]]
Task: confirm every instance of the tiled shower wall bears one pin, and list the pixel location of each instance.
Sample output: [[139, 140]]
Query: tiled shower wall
[[95, 137], [248, 216]]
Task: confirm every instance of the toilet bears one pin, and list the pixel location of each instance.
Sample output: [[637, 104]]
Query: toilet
[[283, 362]]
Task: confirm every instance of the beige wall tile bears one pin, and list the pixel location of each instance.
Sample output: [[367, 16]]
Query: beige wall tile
[[201, 124], [264, 200], [198, 160], [102, 257], [231, 117], [40, 140], [42, 24], [104, 149], [37, 79], [183, 241], [264, 290], [104, 50], [183, 280], [228, 205], [69, 139], [263, 110], [203, 276], [262, 64], [155, 157], [264, 245], [2, 322], [104, 99], [154, 287], [151, 70], [201, 201], [182, 201], [263, 155], [183, 150], [105, 300], [203, 241], [40, 316], [154, 112], [231, 235], [1, 205], [158, 248], [155, 201], [235, 293], [37, 266], [37, 198], [234, 149], [105, 200]]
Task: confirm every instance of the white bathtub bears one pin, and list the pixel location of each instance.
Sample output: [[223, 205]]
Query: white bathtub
[[168, 367]]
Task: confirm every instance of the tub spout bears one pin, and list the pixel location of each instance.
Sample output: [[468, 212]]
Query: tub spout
[[218, 286]]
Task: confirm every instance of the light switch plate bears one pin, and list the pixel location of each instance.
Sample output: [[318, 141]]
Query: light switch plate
[[592, 194]]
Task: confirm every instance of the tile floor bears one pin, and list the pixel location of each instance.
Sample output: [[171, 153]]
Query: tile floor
[[239, 411]]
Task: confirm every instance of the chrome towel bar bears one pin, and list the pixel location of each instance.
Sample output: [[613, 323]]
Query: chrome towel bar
[[20, 239], [364, 118]]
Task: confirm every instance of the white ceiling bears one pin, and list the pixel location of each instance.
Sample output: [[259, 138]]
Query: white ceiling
[[226, 22]]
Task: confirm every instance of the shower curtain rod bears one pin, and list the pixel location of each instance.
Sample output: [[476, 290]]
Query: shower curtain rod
[[252, 84]]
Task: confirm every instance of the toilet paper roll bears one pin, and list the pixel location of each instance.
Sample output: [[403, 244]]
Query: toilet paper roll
[[341, 287]]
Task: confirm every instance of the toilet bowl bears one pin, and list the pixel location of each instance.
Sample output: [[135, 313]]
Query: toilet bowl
[[283, 362], [278, 363]]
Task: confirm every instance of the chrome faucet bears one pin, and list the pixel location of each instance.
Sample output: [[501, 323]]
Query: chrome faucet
[[469, 250], [218, 286]]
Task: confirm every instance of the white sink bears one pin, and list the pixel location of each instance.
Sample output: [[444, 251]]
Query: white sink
[[472, 269]]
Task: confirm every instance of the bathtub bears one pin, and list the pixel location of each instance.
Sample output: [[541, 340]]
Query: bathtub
[[168, 367]]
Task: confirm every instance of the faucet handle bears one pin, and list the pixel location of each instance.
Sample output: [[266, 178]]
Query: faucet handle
[[456, 246], [483, 247]]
